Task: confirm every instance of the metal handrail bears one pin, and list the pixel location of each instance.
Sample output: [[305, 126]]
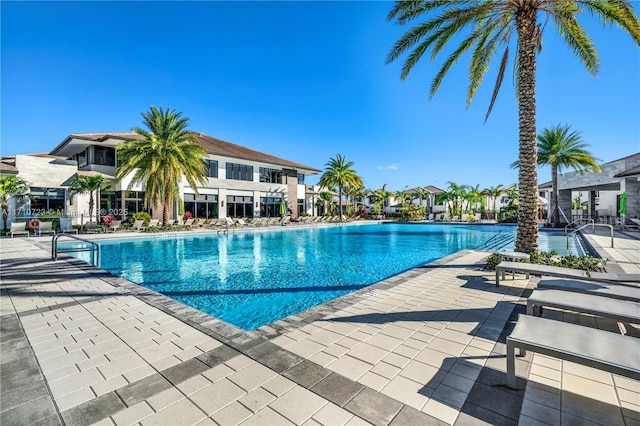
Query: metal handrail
[[95, 248], [578, 221], [593, 225], [489, 240]]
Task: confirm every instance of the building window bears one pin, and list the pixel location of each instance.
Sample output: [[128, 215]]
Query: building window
[[45, 200], [212, 168], [300, 179], [104, 156], [239, 172], [81, 158], [203, 207], [270, 175], [239, 206], [110, 204], [133, 203], [270, 206], [301, 208]]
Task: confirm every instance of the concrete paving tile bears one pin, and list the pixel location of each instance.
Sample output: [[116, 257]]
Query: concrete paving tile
[[584, 371], [232, 414], [93, 411], [305, 348], [183, 371], [158, 352], [409, 416], [217, 396], [113, 383], [218, 372], [546, 372], [374, 381], [435, 358], [350, 367], [279, 385], [589, 388], [325, 337], [323, 359], [406, 351], [594, 410], [331, 414], [143, 389], [441, 411], [348, 342], [281, 360], [61, 361], [161, 400], [497, 399], [35, 410], [139, 373], [571, 420], [238, 362], [407, 391], [75, 382], [306, 373], [166, 363], [474, 415], [542, 413], [251, 376], [374, 407], [193, 384], [457, 382], [121, 366], [368, 353], [337, 389], [386, 370], [384, 341], [217, 355], [422, 373], [298, 404], [266, 416], [132, 415], [182, 412], [256, 400]]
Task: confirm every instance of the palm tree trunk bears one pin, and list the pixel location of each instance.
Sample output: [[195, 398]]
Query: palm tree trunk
[[555, 217], [340, 202], [165, 215], [91, 201], [528, 37], [5, 214]]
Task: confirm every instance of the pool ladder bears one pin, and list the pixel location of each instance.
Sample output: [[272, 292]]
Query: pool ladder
[[498, 241], [93, 247]]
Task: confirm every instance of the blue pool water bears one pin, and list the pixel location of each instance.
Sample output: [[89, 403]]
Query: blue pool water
[[254, 278]]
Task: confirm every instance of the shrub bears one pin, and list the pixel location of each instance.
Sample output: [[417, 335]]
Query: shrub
[[187, 216], [588, 263], [146, 217]]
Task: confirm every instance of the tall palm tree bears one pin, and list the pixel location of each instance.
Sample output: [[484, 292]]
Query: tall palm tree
[[326, 198], [166, 153], [559, 147], [494, 192], [423, 194], [491, 25], [474, 195], [338, 173], [10, 186], [90, 184]]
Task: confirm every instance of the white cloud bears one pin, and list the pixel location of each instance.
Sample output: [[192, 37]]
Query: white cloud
[[392, 166]]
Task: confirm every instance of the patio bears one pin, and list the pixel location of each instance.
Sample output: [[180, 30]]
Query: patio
[[80, 347]]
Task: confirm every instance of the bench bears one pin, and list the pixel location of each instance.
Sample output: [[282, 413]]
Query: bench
[[619, 310], [595, 348], [513, 256], [614, 291], [557, 271]]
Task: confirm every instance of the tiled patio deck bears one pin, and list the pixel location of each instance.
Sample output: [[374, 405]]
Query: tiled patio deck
[[80, 346]]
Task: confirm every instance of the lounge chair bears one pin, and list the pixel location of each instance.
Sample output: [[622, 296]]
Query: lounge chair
[[464, 218], [45, 228], [556, 271], [153, 223], [66, 226], [637, 223], [188, 223], [616, 309], [595, 348], [445, 218], [138, 225], [614, 291], [114, 225], [430, 218], [92, 228], [19, 228]]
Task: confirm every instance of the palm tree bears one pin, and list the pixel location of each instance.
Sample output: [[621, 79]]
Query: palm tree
[[474, 196], [338, 173], [90, 184], [166, 153], [490, 25], [423, 193], [494, 192], [10, 186], [560, 148], [326, 197]]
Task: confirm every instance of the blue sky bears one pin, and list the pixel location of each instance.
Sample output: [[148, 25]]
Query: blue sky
[[300, 80]]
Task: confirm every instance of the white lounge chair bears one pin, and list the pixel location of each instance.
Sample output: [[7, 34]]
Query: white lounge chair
[[138, 225], [45, 228], [616, 309], [66, 226], [614, 291], [556, 271], [153, 223], [595, 348], [114, 225], [19, 228]]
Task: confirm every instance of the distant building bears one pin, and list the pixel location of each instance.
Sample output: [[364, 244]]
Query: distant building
[[592, 195], [242, 182]]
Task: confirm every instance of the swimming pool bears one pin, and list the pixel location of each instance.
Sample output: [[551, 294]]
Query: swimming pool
[[254, 278]]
